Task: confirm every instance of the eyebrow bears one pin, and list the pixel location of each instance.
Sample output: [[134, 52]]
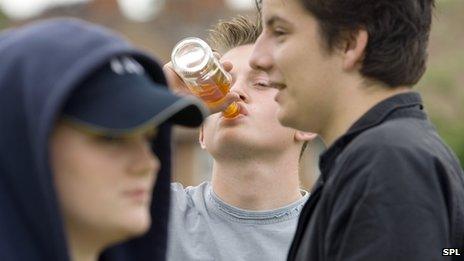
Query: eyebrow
[[274, 19]]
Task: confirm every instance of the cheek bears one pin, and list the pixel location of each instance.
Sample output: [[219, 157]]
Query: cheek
[[272, 109], [82, 181], [271, 129], [267, 109], [286, 53], [280, 60], [76, 163]]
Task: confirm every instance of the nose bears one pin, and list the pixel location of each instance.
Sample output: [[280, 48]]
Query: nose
[[261, 56], [144, 161], [238, 86]]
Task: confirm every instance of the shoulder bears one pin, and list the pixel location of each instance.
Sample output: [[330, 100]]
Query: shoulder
[[403, 156], [396, 133], [184, 198], [408, 142]]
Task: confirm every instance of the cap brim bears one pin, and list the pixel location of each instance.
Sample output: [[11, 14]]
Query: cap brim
[[128, 108]]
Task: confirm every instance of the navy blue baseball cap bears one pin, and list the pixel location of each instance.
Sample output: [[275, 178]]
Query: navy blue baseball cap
[[120, 98]]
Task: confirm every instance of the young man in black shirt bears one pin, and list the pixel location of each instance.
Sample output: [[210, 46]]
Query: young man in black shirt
[[390, 189]]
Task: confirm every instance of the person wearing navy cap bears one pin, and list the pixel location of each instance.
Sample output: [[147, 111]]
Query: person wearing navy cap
[[84, 132]]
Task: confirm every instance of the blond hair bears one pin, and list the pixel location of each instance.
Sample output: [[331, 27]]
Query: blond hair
[[238, 31]]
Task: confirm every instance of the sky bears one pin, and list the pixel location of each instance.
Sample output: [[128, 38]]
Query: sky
[[137, 10]]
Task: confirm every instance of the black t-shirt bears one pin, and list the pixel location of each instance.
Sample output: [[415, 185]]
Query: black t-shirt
[[389, 189]]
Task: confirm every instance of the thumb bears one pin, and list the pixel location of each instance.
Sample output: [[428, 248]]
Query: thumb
[[227, 66]]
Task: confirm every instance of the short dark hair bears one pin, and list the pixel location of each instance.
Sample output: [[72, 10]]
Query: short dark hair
[[396, 52]]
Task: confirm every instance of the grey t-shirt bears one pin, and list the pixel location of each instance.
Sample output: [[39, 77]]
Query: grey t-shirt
[[203, 227]]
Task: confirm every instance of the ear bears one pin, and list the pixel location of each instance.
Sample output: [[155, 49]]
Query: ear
[[201, 138], [354, 49], [304, 136]]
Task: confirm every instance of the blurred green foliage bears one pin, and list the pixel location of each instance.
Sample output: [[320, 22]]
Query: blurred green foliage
[[3, 20], [443, 84]]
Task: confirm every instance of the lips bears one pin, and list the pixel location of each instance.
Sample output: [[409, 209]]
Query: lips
[[137, 194], [243, 112], [243, 109]]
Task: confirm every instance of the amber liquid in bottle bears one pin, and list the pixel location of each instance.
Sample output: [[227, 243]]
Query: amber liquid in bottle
[[213, 90], [203, 74]]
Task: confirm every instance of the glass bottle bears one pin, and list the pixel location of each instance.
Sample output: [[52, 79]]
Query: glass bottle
[[194, 61]]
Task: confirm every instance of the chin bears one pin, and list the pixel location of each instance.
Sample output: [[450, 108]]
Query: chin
[[292, 119], [285, 118], [135, 224], [229, 135], [123, 228]]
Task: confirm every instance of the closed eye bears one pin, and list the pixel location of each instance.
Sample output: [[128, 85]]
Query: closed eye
[[264, 84], [278, 32], [261, 85]]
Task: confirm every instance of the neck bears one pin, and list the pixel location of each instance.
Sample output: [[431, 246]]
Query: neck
[[257, 184], [348, 110], [82, 253]]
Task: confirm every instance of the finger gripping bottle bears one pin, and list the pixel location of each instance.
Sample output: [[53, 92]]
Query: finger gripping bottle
[[194, 61]]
